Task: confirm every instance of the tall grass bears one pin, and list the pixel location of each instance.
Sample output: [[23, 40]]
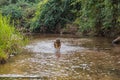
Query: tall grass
[[10, 39]]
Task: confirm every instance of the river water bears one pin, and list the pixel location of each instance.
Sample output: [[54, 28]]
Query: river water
[[81, 58]]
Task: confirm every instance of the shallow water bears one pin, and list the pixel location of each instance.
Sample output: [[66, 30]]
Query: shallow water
[[81, 58]]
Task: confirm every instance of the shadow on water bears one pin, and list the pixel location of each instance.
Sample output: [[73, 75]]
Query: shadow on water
[[80, 58]]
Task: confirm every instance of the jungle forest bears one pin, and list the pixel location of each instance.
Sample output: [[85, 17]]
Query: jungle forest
[[60, 39]]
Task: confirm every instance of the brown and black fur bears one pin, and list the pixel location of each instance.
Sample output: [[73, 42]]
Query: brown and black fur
[[57, 44]]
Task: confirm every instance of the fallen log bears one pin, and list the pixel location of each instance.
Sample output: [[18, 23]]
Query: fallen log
[[116, 41]]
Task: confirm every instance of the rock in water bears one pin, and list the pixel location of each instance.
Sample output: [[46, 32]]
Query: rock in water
[[116, 41]]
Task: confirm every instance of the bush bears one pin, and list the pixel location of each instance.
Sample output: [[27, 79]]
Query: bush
[[52, 15], [3, 2], [10, 39], [12, 10], [99, 17], [21, 12]]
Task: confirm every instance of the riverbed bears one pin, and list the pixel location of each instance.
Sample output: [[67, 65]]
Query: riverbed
[[81, 58]]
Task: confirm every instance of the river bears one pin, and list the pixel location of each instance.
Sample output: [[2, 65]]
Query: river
[[81, 58]]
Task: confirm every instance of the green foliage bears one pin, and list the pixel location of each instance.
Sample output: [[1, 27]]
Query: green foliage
[[12, 1], [89, 13], [35, 20], [20, 12], [50, 13], [12, 10], [98, 16], [3, 2], [10, 39], [33, 1], [2, 55], [107, 12]]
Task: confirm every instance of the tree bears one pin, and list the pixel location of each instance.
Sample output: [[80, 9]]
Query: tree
[[99, 16], [52, 13]]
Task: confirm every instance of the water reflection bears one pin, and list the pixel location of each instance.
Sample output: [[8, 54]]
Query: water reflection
[[47, 46], [57, 53]]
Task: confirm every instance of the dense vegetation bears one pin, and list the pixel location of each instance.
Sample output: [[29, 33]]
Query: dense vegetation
[[52, 15], [98, 17], [101, 16], [10, 39], [20, 11]]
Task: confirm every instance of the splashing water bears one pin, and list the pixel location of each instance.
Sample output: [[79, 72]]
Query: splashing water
[[47, 47]]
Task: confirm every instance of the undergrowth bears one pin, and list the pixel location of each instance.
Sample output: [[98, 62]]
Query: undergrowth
[[11, 41]]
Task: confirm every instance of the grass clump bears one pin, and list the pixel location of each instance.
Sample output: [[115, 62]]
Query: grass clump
[[11, 40]]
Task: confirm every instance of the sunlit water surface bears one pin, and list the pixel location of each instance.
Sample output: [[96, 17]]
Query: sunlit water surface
[[81, 58]]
